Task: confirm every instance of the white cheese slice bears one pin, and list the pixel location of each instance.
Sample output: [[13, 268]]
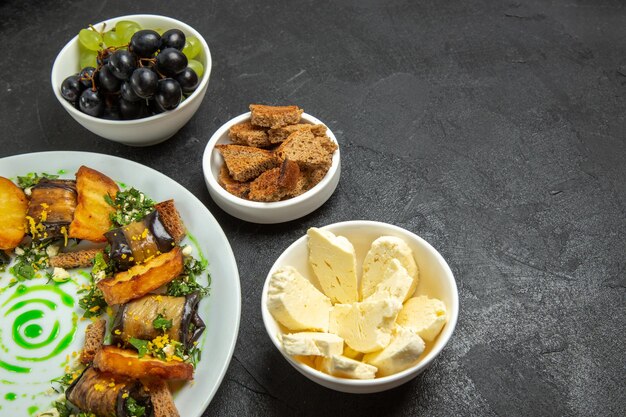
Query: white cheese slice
[[402, 353], [381, 253], [396, 283], [312, 344], [296, 303], [334, 262], [348, 352], [343, 367], [366, 326], [425, 316]]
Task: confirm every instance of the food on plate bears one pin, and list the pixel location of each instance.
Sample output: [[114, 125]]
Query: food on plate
[[402, 352], [135, 365], [344, 367], [274, 116], [244, 162], [376, 326], [278, 183], [334, 262], [383, 251], [425, 316], [142, 278], [287, 291], [92, 217], [365, 326], [130, 72], [312, 344], [176, 316], [13, 206], [139, 241], [94, 338], [77, 259], [106, 394], [273, 156], [140, 275], [51, 208]]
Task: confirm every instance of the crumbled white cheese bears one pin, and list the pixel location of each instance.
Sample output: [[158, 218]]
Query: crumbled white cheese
[[60, 275], [187, 250], [99, 276], [169, 349], [28, 191], [52, 250], [19, 251]]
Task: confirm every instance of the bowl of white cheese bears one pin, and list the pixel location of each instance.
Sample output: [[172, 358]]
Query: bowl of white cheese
[[360, 306]]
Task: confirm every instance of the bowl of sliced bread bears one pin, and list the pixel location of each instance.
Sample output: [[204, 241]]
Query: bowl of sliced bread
[[271, 165]]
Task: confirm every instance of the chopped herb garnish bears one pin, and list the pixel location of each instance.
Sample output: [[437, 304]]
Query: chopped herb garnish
[[130, 206], [133, 409], [29, 260], [141, 346], [32, 178], [63, 408], [161, 323], [187, 283], [92, 302]]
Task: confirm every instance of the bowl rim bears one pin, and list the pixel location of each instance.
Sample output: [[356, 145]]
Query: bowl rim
[[261, 205], [385, 380], [75, 112]]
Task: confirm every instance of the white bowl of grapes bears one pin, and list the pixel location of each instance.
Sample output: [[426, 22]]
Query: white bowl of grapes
[[134, 79]]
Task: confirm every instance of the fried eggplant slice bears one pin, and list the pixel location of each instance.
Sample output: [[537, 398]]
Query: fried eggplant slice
[[13, 207], [106, 394], [51, 208], [143, 278], [134, 243], [136, 319], [92, 215], [127, 362]]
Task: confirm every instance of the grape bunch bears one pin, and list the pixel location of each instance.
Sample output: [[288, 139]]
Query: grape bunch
[[130, 73]]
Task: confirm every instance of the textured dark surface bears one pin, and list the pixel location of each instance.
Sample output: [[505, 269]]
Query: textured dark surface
[[495, 130]]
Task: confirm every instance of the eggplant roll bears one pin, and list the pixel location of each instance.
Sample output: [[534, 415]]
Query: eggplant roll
[[136, 318], [105, 394], [139, 241], [52, 204]]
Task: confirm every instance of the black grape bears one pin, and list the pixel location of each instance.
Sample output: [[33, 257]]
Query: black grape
[[71, 88], [188, 80], [171, 61], [91, 102], [122, 64], [168, 94], [144, 82], [145, 43], [173, 38]]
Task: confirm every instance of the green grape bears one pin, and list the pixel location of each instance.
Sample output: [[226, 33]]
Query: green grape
[[197, 67], [90, 39], [192, 47], [123, 24], [87, 59], [112, 38], [128, 33]]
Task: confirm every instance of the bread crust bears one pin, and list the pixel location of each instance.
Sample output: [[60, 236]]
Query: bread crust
[[274, 116]]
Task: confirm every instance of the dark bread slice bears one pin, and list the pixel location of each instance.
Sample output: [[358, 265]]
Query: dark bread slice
[[78, 259], [237, 188], [244, 162], [279, 134], [247, 134], [274, 116], [94, 337], [161, 397], [278, 183], [171, 219], [309, 151]]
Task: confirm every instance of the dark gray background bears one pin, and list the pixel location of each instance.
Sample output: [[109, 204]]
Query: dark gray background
[[495, 130]]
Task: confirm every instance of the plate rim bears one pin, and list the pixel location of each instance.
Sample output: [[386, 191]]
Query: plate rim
[[232, 260]]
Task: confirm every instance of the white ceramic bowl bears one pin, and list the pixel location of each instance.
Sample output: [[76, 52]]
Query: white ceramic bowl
[[262, 212], [141, 132], [435, 280]]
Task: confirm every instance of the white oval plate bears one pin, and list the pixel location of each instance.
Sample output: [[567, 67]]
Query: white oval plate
[[26, 393]]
